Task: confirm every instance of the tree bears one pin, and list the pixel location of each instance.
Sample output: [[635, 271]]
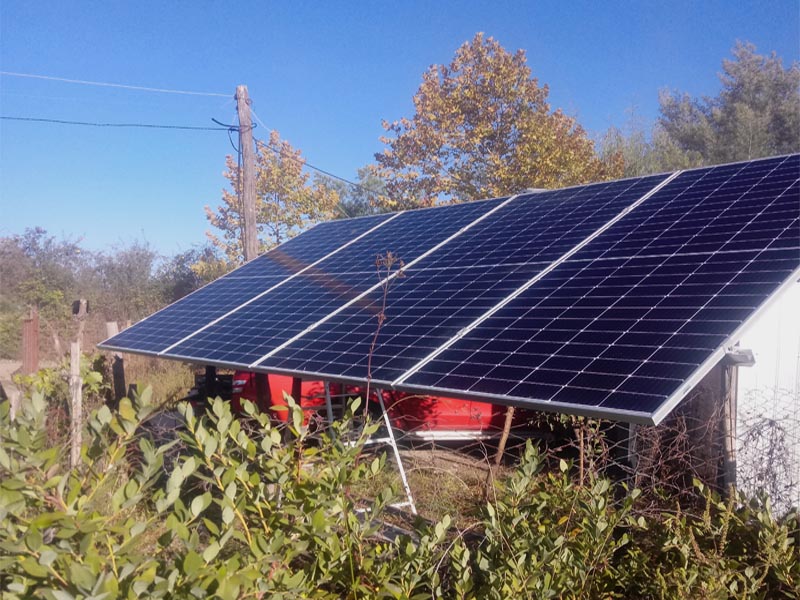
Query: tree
[[286, 202], [757, 112], [482, 127], [645, 152], [129, 289], [363, 198], [53, 273]]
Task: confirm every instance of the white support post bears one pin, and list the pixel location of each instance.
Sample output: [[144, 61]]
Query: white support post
[[393, 444]]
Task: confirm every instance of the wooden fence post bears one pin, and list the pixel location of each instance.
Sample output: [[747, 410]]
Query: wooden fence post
[[30, 342], [117, 367], [76, 412], [501, 447]]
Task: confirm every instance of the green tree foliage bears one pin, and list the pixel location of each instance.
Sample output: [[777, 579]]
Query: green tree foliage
[[40, 271], [127, 283], [756, 114], [364, 198], [483, 127], [241, 509], [645, 152], [176, 274], [286, 201], [128, 288]]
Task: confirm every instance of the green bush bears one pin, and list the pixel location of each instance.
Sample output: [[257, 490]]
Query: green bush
[[10, 335], [249, 510]]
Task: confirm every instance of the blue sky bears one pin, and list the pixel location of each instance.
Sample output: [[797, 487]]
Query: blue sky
[[322, 74]]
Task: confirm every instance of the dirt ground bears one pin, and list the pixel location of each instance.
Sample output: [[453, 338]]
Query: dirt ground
[[7, 369]]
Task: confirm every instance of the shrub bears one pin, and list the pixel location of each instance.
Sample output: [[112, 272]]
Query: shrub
[[249, 510]]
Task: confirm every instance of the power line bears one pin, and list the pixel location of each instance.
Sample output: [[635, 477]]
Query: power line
[[309, 165], [113, 85], [300, 160], [127, 125], [303, 162]]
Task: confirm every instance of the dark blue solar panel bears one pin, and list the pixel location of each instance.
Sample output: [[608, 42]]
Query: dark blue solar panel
[[723, 209], [299, 252], [408, 236], [472, 273], [249, 333], [168, 326], [424, 309], [628, 318], [540, 227], [173, 323], [617, 327]]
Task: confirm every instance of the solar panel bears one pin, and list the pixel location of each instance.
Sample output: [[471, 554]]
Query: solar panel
[[627, 320], [611, 299], [251, 331], [318, 242], [173, 323], [170, 325], [454, 285]]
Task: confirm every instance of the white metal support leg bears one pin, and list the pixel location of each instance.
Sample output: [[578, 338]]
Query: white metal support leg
[[393, 443]]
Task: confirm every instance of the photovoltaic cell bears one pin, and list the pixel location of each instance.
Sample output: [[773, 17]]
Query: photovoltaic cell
[[159, 331], [173, 323], [252, 331], [457, 283], [627, 319]]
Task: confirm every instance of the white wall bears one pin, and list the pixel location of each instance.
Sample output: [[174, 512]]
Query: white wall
[[768, 411]]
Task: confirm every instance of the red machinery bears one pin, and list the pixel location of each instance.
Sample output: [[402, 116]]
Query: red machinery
[[427, 417]]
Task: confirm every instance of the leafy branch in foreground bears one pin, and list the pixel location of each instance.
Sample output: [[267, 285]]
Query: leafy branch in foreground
[[236, 508]]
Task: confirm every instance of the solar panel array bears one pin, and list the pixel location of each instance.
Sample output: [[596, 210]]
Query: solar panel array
[[610, 299]]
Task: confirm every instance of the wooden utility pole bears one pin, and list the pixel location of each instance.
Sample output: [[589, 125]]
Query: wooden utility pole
[[247, 184]]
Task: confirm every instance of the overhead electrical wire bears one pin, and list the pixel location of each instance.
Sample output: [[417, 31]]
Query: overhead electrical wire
[[309, 165], [113, 85], [222, 127], [126, 125], [231, 129], [300, 160]]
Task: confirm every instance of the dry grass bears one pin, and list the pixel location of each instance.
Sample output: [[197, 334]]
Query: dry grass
[[169, 379], [444, 482]]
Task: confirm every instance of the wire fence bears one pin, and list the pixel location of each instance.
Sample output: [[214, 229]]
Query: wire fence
[[768, 435], [449, 448]]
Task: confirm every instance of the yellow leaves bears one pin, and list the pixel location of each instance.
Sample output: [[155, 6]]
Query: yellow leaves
[[482, 127], [285, 200]]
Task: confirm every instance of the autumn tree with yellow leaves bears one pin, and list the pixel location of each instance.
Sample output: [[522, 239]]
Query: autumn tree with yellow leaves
[[483, 127], [287, 201]]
